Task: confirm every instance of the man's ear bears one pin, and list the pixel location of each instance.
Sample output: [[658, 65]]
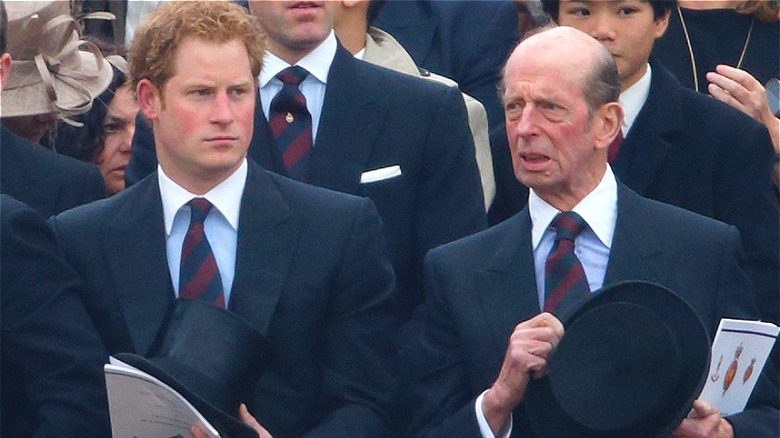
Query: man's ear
[[5, 68], [607, 122], [149, 99]]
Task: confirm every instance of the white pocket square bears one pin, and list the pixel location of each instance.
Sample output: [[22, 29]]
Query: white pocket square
[[381, 174]]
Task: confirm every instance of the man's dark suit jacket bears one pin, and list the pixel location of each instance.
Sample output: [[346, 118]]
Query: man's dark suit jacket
[[373, 118], [479, 288], [311, 275], [49, 182], [467, 41], [689, 150], [52, 357]]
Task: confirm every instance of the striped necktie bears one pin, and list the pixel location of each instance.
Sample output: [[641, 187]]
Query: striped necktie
[[565, 282], [198, 274], [291, 123]]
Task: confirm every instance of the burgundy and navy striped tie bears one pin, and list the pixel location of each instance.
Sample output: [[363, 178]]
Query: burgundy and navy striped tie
[[291, 123], [198, 273], [565, 282]]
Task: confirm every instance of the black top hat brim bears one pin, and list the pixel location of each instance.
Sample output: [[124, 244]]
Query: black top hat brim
[[631, 362], [227, 425]]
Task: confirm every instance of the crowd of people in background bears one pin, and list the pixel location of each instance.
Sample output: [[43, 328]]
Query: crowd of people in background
[[380, 188]]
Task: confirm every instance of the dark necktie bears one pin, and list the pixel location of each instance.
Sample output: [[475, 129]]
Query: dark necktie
[[565, 282], [198, 273], [291, 123], [614, 147]]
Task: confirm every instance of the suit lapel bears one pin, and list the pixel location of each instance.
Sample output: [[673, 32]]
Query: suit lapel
[[267, 238], [349, 125], [138, 263], [636, 252], [646, 146], [508, 286]]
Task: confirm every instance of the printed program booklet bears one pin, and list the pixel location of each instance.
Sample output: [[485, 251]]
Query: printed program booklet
[[142, 406], [739, 351]]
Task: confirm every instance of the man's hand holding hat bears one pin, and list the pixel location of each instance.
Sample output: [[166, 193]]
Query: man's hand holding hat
[[530, 344]]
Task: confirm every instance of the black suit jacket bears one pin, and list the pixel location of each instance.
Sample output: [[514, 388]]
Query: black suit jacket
[[373, 117], [467, 41], [52, 357], [311, 275], [49, 182], [479, 288], [689, 150]]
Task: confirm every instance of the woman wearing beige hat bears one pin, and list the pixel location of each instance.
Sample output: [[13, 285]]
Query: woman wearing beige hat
[[54, 73]]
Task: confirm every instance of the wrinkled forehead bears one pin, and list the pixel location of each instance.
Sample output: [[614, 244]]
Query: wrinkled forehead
[[543, 74]]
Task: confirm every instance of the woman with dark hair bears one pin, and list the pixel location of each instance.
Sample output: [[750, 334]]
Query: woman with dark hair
[[103, 134]]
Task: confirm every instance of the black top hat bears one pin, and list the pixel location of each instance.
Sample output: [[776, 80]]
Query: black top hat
[[210, 356], [632, 360]]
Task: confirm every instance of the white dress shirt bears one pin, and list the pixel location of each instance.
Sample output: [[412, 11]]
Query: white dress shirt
[[317, 63], [592, 246], [220, 226], [633, 99]]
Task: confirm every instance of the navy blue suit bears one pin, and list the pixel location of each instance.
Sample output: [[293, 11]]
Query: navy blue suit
[[689, 150], [48, 182], [311, 275], [479, 288], [467, 41], [373, 117], [52, 357]]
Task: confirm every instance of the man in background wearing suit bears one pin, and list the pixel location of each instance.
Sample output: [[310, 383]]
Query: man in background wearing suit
[[306, 266], [483, 335], [376, 46], [402, 142]]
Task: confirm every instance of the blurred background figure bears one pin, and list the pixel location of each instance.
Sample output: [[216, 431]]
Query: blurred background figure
[[52, 75], [729, 49], [106, 130]]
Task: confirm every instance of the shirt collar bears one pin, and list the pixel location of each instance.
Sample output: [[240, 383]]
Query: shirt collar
[[317, 62], [225, 197], [633, 99], [598, 209]]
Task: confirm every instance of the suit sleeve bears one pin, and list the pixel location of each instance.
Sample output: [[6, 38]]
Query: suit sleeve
[[50, 349], [435, 392], [359, 366]]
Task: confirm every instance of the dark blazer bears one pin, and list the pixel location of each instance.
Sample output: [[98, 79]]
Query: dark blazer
[[479, 288], [689, 150], [49, 182], [311, 275], [467, 41], [52, 357], [372, 118]]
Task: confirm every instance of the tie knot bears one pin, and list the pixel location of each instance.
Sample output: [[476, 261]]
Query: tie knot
[[200, 209], [568, 225], [292, 75]]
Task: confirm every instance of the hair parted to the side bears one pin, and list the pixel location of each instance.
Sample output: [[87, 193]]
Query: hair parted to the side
[[152, 52]]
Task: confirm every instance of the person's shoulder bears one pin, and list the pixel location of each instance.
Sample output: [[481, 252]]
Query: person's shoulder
[[392, 83], [674, 220], [307, 197], [482, 248]]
